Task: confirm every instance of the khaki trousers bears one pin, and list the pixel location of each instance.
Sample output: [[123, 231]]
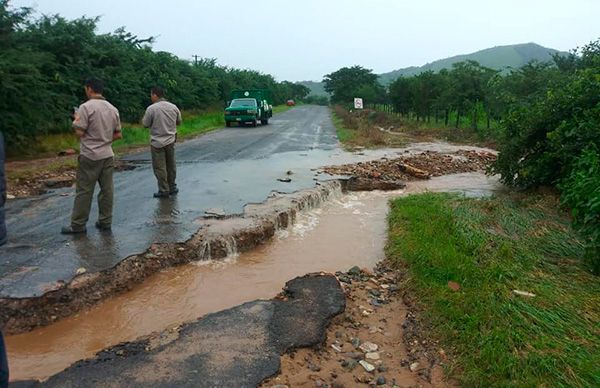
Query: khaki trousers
[[163, 163], [88, 173]]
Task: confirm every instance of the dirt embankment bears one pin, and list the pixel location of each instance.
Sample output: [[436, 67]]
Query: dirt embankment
[[36, 177], [377, 341]]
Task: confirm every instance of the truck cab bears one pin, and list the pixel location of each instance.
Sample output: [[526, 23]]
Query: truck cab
[[249, 107]]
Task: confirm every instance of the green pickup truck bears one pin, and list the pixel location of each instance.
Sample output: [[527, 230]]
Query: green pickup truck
[[249, 107]]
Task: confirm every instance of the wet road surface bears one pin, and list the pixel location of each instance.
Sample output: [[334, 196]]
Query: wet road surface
[[349, 229], [225, 169]]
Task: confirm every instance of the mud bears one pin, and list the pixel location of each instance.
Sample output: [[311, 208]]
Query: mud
[[214, 240], [239, 347], [348, 229], [375, 314], [343, 231]]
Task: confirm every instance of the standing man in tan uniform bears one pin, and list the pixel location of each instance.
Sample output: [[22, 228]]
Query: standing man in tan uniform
[[97, 124], [163, 117]]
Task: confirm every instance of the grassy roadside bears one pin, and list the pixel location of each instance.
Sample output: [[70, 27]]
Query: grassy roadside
[[372, 129], [491, 247], [354, 132], [134, 135]]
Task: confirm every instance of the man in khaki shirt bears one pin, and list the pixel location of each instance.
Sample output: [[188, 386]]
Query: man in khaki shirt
[[97, 125], [163, 117]]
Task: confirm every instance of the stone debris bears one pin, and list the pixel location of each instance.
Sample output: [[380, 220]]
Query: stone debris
[[524, 293], [420, 166], [214, 213], [368, 367], [369, 347], [378, 342]]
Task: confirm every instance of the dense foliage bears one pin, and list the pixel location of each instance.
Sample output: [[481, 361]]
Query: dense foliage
[[356, 81], [44, 61], [545, 115], [553, 138]]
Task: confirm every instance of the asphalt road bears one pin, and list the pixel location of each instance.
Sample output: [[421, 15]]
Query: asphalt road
[[239, 347], [224, 169]]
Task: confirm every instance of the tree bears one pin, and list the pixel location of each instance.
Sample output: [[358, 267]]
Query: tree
[[345, 84]]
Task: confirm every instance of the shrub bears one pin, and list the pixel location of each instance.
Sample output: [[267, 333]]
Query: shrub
[[581, 192]]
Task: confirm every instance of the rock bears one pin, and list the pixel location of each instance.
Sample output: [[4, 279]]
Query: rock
[[10, 196], [414, 366], [214, 213], [355, 271], [339, 334], [355, 342], [354, 355], [372, 356], [369, 347], [336, 348], [151, 256], [453, 285], [57, 182], [81, 271], [523, 293], [290, 172], [381, 380], [284, 180], [375, 293], [280, 386], [349, 364], [368, 367], [382, 368]]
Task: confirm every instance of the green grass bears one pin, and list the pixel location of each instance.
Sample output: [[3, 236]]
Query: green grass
[[491, 247], [344, 134], [134, 135], [193, 125]]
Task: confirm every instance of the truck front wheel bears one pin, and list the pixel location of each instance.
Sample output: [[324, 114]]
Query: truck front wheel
[[254, 123], [228, 123], [264, 121]]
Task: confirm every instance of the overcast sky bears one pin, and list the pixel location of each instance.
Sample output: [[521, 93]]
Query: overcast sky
[[303, 40]]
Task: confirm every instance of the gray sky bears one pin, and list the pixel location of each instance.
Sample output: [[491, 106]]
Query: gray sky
[[303, 40]]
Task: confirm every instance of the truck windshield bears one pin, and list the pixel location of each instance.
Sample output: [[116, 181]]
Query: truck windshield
[[243, 102]]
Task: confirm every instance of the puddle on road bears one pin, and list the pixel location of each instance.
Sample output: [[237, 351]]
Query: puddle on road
[[348, 231]]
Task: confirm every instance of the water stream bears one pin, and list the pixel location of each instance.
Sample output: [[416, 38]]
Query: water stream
[[346, 231]]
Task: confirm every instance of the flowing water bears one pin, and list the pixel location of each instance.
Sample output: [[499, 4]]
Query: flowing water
[[346, 231]]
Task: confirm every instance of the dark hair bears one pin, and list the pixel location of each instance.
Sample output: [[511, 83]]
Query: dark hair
[[158, 91], [95, 84]]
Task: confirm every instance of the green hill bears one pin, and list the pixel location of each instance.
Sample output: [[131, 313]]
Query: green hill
[[499, 58], [316, 88]]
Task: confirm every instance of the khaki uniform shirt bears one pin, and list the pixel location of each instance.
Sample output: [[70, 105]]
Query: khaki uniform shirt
[[162, 118], [99, 120]]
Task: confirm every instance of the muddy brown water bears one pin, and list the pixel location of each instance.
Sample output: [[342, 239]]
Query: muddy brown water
[[348, 231]]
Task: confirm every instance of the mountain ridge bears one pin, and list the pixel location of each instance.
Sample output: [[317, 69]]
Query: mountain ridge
[[500, 58]]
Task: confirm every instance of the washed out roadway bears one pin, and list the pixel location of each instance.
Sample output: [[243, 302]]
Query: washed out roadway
[[224, 169]]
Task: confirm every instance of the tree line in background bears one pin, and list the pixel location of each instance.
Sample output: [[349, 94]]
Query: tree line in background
[[44, 61], [546, 116]]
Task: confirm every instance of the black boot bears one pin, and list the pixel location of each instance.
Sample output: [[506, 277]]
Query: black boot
[[73, 230]]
